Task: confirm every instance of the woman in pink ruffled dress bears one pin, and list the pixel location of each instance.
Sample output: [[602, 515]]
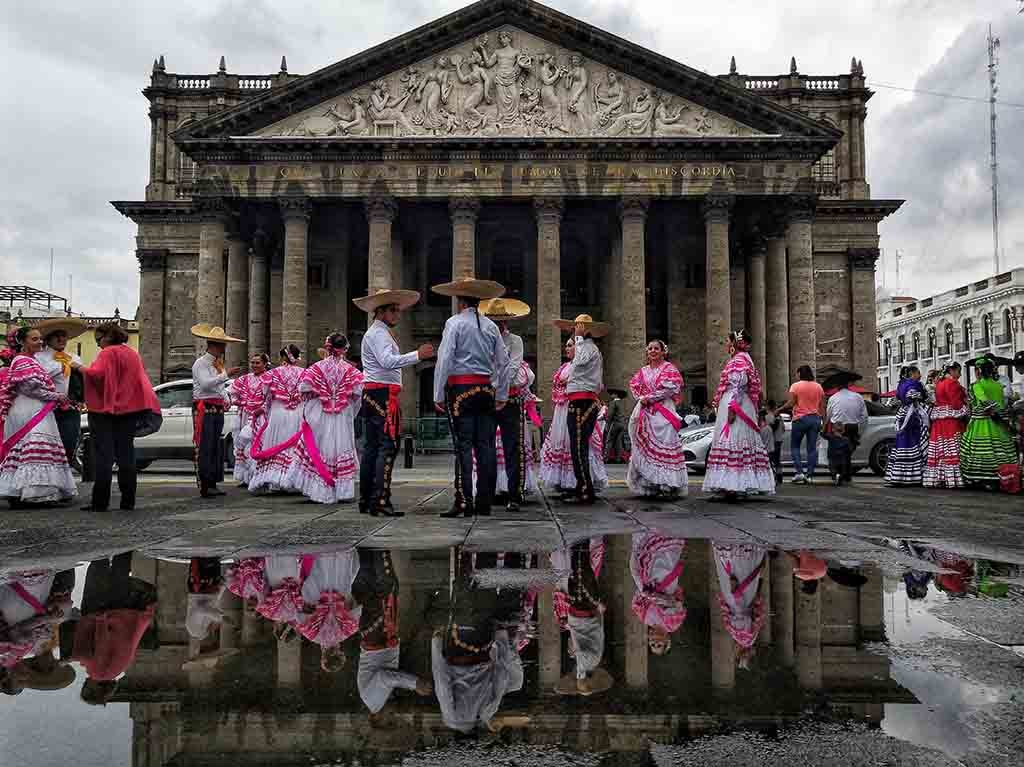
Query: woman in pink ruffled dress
[[273, 447], [332, 614], [282, 601], [657, 566], [247, 394], [739, 568]]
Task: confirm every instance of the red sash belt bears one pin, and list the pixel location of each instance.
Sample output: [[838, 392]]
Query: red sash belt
[[469, 380], [578, 395], [394, 417], [199, 407], [514, 391]]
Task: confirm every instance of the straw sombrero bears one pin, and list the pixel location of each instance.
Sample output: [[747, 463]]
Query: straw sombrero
[[470, 287], [384, 297], [49, 677], [596, 329], [504, 309], [214, 333], [73, 326]]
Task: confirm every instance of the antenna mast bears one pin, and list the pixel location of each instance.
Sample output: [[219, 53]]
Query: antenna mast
[[993, 68]]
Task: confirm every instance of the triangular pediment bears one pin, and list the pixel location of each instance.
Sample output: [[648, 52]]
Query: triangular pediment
[[507, 68]]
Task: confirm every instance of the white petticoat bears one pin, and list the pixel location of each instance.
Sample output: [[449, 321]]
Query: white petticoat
[[556, 461], [656, 459], [335, 439], [271, 474], [36, 470]]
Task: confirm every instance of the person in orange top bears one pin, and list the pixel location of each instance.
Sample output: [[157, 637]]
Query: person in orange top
[[807, 402]]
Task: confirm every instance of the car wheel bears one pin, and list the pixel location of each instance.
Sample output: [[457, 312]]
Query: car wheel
[[229, 453], [880, 456], [142, 465]]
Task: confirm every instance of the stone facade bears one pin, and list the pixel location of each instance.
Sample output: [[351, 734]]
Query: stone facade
[[514, 142]]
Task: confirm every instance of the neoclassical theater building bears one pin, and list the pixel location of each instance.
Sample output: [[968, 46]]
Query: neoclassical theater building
[[508, 140]]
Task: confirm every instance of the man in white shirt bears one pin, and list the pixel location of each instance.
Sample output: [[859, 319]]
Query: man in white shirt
[[848, 408], [471, 381], [209, 401], [586, 373], [58, 365], [382, 389], [512, 419]]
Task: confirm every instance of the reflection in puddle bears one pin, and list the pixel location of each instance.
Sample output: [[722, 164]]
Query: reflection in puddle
[[614, 643]]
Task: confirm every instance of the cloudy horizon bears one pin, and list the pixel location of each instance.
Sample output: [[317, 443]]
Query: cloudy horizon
[[77, 125]]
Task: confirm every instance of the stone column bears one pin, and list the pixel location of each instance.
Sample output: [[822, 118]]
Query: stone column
[[289, 663], [258, 294], [738, 291], [464, 212], [782, 606], [723, 653], [237, 302], [152, 265], [718, 308], [864, 321], [777, 369], [630, 332], [757, 321], [549, 292], [231, 628], [296, 212], [871, 606], [807, 625], [212, 233], [803, 336], [549, 643], [276, 298], [380, 214]]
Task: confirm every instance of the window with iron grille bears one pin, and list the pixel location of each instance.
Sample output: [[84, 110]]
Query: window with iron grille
[[825, 168]]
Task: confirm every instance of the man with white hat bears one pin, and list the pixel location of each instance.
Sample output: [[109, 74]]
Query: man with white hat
[[471, 381], [511, 420], [382, 389], [586, 373], [59, 365], [209, 401]]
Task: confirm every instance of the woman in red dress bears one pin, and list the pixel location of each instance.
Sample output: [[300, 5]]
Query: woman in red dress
[[947, 424]]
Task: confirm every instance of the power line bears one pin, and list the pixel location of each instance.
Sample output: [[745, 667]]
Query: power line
[[944, 95]]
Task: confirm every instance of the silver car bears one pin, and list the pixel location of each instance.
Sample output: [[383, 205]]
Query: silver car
[[873, 451]]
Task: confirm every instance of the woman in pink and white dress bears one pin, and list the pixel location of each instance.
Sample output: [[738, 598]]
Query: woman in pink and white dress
[[332, 614], [247, 394], [739, 568], [282, 602], [737, 463], [33, 464], [326, 462], [656, 462], [555, 459], [247, 579], [273, 447], [657, 565]]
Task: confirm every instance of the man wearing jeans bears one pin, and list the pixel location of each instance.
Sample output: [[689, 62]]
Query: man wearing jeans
[[807, 402]]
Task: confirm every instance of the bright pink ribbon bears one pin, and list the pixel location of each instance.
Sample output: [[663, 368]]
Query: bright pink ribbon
[[671, 417], [531, 411], [260, 454], [28, 598], [284, 603], [734, 407], [314, 454], [331, 622], [33, 422]]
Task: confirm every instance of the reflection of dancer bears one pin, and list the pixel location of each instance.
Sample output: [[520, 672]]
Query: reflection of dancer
[[32, 603], [657, 565], [739, 568], [482, 87], [376, 589], [333, 615], [583, 608]]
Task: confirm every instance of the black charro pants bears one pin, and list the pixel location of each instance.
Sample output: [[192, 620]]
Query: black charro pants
[[582, 420], [471, 415], [69, 424], [379, 451], [113, 439], [511, 419]]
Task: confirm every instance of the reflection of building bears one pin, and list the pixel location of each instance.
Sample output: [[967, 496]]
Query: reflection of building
[[271, 701], [506, 139], [960, 324]]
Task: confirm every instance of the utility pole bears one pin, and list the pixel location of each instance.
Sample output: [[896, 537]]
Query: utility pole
[[993, 68], [899, 272]]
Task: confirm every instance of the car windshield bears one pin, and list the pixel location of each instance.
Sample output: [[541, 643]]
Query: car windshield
[[175, 396], [877, 408]]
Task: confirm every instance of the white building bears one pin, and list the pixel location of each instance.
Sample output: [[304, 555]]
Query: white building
[[960, 324]]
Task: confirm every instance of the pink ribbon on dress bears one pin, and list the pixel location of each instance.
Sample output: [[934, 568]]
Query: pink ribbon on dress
[[33, 422], [331, 622], [260, 454], [247, 578], [734, 407], [309, 441], [283, 603], [669, 416], [28, 598], [531, 411]]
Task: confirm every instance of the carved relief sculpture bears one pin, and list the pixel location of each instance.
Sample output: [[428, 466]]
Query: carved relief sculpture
[[667, 122], [508, 63], [577, 81], [481, 90], [385, 108], [638, 122], [550, 96], [608, 100], [432, 92]]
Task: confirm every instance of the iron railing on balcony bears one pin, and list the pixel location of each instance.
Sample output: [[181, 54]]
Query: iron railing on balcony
[[1003, 339]]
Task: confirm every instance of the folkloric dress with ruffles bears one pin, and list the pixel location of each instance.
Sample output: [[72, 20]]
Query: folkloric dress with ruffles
[[33, 464], [282, 602], [986, 444], [907, 457], [555, 459], [738, 461], [273, 447], [247, 394], [943, 465], [739, 568], [657, 565], [326, 462], [326, 590], [656, 462]]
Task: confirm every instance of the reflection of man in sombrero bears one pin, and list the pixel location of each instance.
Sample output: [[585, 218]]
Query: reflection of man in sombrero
[[471, 382], [55, 360], [511, 420], [209, 401], [382, 387]]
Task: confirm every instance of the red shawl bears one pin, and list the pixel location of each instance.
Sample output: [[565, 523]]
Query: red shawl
[[116, 383]]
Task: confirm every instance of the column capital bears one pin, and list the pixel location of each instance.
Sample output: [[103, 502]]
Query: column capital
[[758, 247], [548, 208], [152, 259], [633, 207], [717, 207], [295, 208], [381, 208], [463, 209], [801, 208], [212, 209], [863, 259]]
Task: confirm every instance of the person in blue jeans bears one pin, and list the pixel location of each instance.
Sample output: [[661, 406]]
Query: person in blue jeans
[[807, 403]]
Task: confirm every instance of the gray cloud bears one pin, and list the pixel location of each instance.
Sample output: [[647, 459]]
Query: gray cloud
[[76, 128]]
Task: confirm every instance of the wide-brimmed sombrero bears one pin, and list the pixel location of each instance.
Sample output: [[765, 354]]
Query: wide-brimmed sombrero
[[214, 333], [403, 299], [596, 329], [72, 326], [504, 309], [470, 287], [33, 675]]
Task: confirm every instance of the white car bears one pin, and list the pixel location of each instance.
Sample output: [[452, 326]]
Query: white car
[[174, 439]]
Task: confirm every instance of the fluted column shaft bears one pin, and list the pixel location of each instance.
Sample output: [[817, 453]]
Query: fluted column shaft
[[237, 300], [549, 292], [631, 335], [380, 215], [777, 368], [294, 322], [718, 309], [259, 294], [803, 336], [757, 321], [210, 289]]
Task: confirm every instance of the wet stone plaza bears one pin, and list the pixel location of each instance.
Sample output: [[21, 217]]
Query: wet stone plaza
[[630, 633]]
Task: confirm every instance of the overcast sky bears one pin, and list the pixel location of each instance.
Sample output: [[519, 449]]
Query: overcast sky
[[75, 128]]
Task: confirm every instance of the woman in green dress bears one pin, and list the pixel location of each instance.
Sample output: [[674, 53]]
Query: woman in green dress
[[987, 443]]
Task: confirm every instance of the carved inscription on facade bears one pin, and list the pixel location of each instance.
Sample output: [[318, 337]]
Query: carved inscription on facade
[[508, 83]]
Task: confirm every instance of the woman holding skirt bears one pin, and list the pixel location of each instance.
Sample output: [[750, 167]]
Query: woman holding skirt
[[942, 468], [326, 462], [740, 601], [33, 464], [987, 443], [906, 460], [656, 462], [737, 463], [273, 447], [555, 459], [247, 394], [332, 614]]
